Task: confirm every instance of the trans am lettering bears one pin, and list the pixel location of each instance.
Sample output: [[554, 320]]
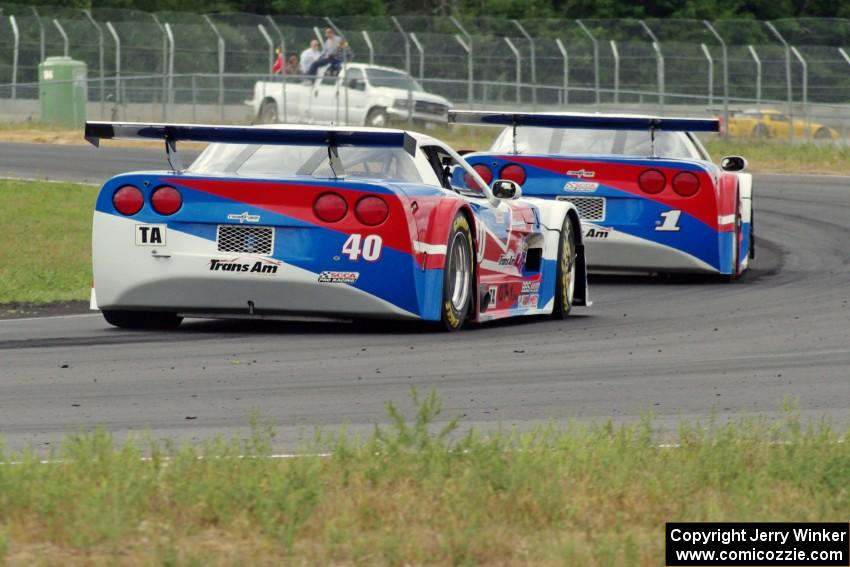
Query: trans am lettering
[[596, 233], [258, 267]]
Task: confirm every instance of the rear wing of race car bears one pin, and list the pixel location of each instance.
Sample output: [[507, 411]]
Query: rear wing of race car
[[586, 121], [281, 136]]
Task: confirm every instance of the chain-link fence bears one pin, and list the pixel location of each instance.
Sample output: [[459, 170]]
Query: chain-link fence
[[746, 71]]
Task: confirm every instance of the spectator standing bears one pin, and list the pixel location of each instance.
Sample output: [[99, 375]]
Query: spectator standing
[[329, 53], [309, 56], [292, 66], [277, 66]]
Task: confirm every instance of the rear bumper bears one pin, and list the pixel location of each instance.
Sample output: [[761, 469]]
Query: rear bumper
[[189, 275], [619, 252]]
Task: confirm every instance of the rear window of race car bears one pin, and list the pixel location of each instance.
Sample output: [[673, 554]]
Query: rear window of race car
[[574, 141], [391, 164]]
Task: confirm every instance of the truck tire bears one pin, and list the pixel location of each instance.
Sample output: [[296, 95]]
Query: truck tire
[[268, 112], [377, 118]]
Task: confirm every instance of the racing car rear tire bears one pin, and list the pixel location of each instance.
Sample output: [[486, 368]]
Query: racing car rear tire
[[142, 319], [457, 276], [565, 283], [736, 244]]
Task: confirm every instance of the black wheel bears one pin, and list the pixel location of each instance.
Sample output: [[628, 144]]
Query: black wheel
[[761, 131], [752, 234], [737, 236], [268, 112], [823, 134], [142, 319], [565, 285], [457, 276], [377, 118]]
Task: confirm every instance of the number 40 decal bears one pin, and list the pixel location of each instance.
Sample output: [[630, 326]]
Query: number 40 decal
[[369, 247], [670, 222]]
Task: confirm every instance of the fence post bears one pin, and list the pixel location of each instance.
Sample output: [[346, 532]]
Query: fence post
[[787, 74], [518, 68], [406, 43], [808, 130], [710, 60], [595, 60], [172, 46], [421, 51], [117, 40], [221, 48], [533, 62], [565, 55], [40, 33], [283, 51], [270, 43], [371, 49], [659, 57], [725, 56], [15, 53], [616, 53], [468, 47], [166, 93], [88, 15], [62, 33], [757, 61]]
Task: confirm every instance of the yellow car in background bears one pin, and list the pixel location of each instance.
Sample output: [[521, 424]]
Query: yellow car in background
[[774, 124]]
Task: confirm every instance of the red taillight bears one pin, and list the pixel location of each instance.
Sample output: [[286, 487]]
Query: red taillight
[[330, 207], [128, 200], [513, 173], [685, 183], [371, 210], [166, 200], [652, 181], [485, 172], [482, 170]]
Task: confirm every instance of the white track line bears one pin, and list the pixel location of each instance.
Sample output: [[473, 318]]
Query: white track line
[[46, 317]]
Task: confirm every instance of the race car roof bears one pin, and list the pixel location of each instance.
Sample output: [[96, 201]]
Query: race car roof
[[585, 121], [277, 135]]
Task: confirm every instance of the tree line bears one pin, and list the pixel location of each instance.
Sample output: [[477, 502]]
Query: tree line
[[584, 9]]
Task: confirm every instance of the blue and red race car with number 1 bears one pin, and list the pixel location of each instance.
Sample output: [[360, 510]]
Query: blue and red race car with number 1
[[649, 197], [351, 223]]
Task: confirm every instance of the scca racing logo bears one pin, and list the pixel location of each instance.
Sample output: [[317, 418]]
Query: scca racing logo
[[339, 277], [258, 267]]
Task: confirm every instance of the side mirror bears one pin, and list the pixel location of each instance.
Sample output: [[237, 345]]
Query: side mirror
[[506, 189], [733, 163], [356, 84]]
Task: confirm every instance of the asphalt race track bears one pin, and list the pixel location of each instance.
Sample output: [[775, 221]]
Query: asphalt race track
[[683, 349], [83, 164]]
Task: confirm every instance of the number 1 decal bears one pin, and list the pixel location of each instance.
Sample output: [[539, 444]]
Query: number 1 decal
[[670, 222], [369, 247]]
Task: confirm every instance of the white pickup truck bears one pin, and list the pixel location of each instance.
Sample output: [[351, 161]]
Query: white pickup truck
[[374, 96]]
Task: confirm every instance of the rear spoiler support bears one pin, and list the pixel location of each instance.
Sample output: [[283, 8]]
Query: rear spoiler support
[[174, 159]]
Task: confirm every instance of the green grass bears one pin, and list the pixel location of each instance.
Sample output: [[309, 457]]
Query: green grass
[[46, 251], [409, 494]]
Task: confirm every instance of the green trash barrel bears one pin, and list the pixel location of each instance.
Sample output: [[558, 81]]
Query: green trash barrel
[[63, 91]]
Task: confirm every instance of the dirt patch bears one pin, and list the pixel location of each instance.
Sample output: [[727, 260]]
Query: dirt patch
[[52, 309]]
